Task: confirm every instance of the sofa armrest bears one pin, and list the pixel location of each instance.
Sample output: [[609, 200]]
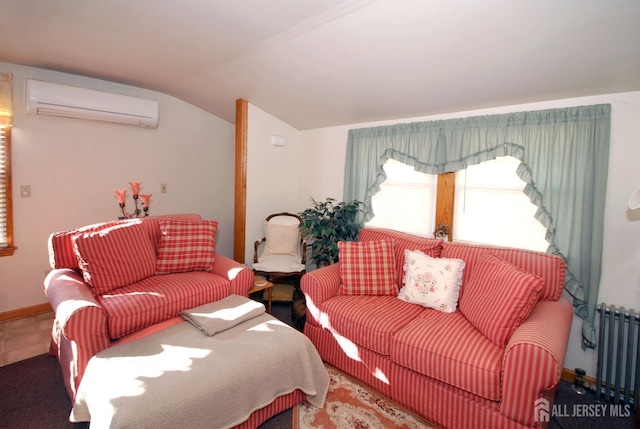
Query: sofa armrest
[[534, 358], [80, 325], [240, 276], [318, 286], [76, 310]]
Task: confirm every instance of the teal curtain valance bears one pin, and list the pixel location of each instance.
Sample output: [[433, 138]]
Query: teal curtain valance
[[564, 156]]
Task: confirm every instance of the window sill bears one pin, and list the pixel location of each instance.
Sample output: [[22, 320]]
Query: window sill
[[7, 251]]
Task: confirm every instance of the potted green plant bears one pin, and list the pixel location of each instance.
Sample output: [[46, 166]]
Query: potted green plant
[[327, 223]]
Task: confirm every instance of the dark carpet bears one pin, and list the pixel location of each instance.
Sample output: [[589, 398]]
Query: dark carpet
[[32, 395], [573, 411]]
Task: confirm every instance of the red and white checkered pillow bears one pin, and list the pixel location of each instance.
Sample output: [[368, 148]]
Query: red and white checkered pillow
[[498, 297], [114, 256], [186, 246], [367, 268]]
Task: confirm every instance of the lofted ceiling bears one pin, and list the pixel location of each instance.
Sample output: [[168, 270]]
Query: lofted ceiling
[[318, 63]]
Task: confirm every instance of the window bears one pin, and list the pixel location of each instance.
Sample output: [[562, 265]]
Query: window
[[489, 206], [6, 120], [6, 226], [406, 200]]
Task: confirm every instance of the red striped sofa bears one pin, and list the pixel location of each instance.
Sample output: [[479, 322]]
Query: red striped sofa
[[440, 365], [92, 310]]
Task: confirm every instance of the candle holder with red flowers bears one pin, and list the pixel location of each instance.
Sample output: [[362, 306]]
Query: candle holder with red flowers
[[144, 202]]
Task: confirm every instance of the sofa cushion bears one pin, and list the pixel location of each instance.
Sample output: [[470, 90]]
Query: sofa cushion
[[186, 246], [550, 267], [498, 296], [367, 268], [61, 251], [158, 298], [114, 256], [62, 255], [152, 225], [282, 239], [368, 321], [446, 347], [431, 282], [401, 242]]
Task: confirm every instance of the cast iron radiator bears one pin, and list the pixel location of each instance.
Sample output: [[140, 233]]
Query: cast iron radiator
[[618, 372]]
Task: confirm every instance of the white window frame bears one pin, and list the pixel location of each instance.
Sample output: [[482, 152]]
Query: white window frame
[[509, 184], [406, 200]]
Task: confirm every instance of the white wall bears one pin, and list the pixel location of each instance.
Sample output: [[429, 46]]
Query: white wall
[[273, 173], [324, 153], [74, 165]]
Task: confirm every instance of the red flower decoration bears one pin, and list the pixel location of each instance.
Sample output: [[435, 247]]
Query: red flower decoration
[[122, 195], [135, 187], [145, 200]]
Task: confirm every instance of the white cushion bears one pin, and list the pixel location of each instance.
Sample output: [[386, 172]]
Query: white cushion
[[282, 239], [431, 282], [279, 263]]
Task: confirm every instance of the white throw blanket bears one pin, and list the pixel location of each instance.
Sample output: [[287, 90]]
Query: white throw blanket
[[181, 378], [224, 314]]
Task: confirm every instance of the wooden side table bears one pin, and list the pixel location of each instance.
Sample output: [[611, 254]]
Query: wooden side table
[[259, 285]]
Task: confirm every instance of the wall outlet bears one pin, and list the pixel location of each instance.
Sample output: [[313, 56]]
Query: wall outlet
[[163, 188], [25, 191]]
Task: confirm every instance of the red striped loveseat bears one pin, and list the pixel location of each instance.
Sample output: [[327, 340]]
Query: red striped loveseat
[[493, 359], [114, 280]]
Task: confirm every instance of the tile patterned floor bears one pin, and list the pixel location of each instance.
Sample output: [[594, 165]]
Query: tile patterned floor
[[24, 338]]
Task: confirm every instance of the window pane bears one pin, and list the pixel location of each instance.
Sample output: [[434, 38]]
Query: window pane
[[406, 200], [491, 208]]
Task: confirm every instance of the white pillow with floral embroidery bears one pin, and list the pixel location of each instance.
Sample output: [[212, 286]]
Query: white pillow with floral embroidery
[[431, 282]]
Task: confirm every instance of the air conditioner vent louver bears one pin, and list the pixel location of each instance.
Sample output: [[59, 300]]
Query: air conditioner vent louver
[[46, 98]]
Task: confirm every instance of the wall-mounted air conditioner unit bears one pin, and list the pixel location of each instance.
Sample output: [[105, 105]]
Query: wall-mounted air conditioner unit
[[46, 98]]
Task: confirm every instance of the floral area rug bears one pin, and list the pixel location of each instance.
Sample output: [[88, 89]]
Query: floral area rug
[[351, 405]]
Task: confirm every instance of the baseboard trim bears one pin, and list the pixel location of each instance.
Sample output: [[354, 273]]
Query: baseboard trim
[[570, 376], [25, 312]]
